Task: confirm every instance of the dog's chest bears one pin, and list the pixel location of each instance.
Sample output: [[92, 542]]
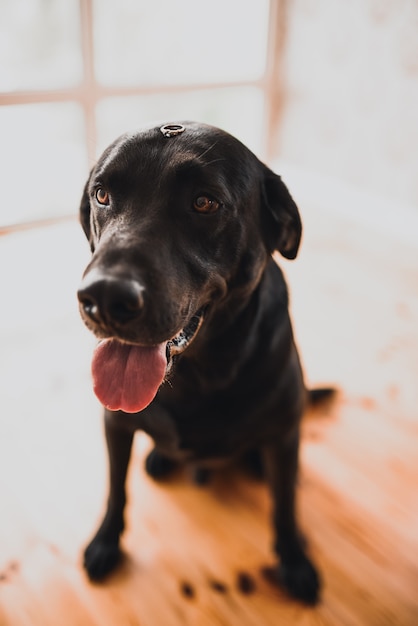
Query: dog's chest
[[212, 428]]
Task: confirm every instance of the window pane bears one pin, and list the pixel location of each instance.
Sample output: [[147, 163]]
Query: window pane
[[238, 110], [39, 44], [42, 160], [143, 42]]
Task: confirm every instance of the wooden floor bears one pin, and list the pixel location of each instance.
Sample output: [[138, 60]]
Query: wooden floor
[[198, 556]]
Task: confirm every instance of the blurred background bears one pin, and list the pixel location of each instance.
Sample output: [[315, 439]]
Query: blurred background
[[325, 92], [329, 87]]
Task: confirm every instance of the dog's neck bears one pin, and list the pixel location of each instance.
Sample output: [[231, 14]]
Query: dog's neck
[[235, 326]]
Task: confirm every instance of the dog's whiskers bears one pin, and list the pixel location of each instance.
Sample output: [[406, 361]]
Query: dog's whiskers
[[207, 149]]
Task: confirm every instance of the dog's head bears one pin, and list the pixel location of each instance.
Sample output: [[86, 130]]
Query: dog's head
[[181, 221]]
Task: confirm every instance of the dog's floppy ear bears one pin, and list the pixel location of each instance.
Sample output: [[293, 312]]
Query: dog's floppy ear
[[280, 215], [85, 213]]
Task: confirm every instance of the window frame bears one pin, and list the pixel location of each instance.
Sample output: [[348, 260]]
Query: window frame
[[89, 92]]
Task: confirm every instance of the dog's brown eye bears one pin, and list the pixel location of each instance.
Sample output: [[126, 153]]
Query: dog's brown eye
[[102, 196], [203, 204]]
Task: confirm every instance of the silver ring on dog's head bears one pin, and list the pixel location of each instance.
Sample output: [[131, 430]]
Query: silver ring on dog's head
[[172, 130]]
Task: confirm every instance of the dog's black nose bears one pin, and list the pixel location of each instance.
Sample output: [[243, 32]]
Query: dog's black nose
[[111, 300]]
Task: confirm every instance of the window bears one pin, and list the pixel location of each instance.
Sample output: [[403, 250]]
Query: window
[[76, 73]]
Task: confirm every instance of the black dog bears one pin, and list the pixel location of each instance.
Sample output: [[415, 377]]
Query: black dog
[[182, 221]]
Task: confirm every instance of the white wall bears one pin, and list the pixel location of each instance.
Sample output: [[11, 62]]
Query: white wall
[[351, 99]]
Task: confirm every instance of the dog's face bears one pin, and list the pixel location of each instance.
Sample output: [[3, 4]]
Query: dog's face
[[178, 226], [185, 220]]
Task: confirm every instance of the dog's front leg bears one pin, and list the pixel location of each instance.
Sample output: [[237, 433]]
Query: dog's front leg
[[103, 553], [296, 572]]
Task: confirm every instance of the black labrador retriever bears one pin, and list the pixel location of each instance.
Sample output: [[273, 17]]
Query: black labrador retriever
[[196, 342]]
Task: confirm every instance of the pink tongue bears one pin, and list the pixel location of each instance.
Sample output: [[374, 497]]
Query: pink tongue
[[127, 377]]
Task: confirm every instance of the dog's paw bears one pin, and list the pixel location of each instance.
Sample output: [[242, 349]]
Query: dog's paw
[[100, 558], [159, 466], [301, 579]]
